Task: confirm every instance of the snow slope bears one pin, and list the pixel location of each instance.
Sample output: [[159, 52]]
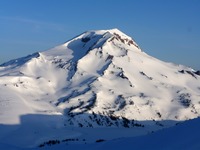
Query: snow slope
[[99, 80]]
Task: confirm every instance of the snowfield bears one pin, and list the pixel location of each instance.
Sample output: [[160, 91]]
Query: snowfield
[[97, 90]]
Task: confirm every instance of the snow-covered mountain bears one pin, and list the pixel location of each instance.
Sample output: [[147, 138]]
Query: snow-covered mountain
[[98, 79]]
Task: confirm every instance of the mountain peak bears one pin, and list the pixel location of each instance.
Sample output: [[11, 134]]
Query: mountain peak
[[79, 46], [119, 35], [110, 35], [117, 31]]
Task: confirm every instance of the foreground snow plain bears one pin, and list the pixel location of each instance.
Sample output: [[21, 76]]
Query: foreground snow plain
[[184, 136]]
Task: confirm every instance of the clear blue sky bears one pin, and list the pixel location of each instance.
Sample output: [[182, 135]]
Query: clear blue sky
[[166, 29]]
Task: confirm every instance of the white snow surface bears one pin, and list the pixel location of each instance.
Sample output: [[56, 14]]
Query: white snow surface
[[98, 85]]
